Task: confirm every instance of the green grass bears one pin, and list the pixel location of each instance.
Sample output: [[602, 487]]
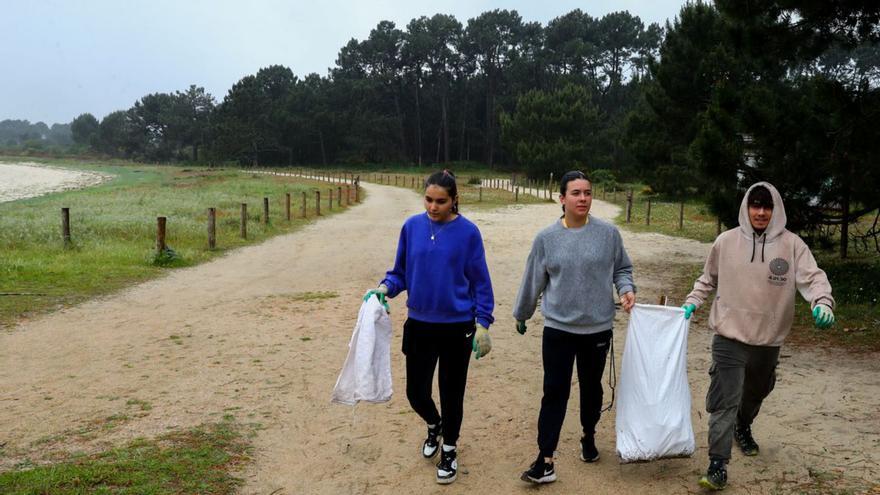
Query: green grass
[[699, 223], [113, 229], [856, 288], [855, 282], [204, 459], [413, 178]]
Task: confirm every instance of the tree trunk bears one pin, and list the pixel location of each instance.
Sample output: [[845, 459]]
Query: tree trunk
[[323, 151], [418, 120], [445, 126], [845, 206], [400, 125], [439, 137], [463, 139], [490, 103]]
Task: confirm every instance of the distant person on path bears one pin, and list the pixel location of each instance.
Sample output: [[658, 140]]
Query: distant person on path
[[441, 264], [574, 265], [755, 269]]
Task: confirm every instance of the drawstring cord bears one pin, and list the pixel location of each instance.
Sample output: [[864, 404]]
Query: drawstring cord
[[612, 377], [753, 248], [763, 243]]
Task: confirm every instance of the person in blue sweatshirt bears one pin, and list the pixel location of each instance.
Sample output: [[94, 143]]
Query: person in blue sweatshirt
[[574, 266], [441, 264]]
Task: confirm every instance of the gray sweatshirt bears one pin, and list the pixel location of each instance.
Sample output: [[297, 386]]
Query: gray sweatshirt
[[574, 269]]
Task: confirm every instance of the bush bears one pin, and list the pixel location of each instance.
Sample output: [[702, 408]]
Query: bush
[[605, 177]]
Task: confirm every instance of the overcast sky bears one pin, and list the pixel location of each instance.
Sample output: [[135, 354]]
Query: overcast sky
[[63, 58]]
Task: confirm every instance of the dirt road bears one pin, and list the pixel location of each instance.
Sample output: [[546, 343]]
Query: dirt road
[[262, 333]]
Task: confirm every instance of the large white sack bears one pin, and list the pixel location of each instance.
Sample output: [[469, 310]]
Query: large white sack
[[654, 399], [366, 374]]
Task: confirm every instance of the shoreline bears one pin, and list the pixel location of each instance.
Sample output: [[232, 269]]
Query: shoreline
[[23, 180]]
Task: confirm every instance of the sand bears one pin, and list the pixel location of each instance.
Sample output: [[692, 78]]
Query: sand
[[26, 180], [245, 335]]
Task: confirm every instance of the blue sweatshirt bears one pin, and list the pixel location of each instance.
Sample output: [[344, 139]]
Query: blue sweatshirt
[[446, 279]]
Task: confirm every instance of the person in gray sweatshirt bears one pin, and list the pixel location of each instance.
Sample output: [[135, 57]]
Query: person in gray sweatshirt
[[574, 265]]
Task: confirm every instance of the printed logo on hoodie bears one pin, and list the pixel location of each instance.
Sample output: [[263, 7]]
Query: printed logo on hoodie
[[778, 269]]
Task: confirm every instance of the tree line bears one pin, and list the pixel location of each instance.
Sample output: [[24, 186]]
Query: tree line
[[432, 91], [725, 94]]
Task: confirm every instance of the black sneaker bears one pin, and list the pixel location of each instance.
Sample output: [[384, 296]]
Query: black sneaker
[[432, 442], [743, 436], [540, 472], [447, 468], [715, 477], [589, 453]]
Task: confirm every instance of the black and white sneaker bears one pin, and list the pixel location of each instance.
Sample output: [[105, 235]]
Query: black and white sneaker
[[589, 453], [432, 442], [540, 472], [447, 468]]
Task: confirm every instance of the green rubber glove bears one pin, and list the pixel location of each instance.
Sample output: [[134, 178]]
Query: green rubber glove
[[482, 343], [521, 327], [380, 293], [688, 310], [823, 316]]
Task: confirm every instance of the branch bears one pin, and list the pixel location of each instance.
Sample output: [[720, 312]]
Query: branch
[[839, 220]]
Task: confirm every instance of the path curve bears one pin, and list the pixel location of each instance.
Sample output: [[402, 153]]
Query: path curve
[[248, 334]]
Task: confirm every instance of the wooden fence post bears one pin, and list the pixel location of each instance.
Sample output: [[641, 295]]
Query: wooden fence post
[[339, 196], [212, 228], [516, 195], [648, 216], [347, 195], [287, 205], [244, 220], [160, 235], [681, 216], [318, 203], [265, 211], [330, 200], [481, 193], [304, 211], [629, 205], [357, 189], [65, 227]]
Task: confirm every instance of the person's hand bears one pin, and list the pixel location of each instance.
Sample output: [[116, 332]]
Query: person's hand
[[380, 293], [521, 327], [823, 316], [482, 343], [689, 309], [627, 301]]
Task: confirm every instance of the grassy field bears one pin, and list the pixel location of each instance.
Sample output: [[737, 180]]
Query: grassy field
[[205, 459], [113, 229], [855, 281], [413, 178]]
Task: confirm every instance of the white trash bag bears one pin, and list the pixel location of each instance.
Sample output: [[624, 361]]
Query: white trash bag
[[654, 399], [366, 374]]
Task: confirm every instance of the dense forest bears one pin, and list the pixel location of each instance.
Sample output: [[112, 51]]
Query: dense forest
[[724, 94]]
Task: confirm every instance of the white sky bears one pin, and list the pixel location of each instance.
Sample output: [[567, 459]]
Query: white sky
[[63, 58]]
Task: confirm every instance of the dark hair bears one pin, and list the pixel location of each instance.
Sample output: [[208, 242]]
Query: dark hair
[[568, 177], [445, 179], [760, 196]]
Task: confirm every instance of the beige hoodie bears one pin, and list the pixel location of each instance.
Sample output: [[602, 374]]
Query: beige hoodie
[[756, 277]]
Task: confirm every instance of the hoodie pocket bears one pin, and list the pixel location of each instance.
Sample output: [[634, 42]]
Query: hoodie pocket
[[747, 325]]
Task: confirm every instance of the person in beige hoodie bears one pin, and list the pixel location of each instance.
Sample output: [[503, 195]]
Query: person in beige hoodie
[[755, 270]]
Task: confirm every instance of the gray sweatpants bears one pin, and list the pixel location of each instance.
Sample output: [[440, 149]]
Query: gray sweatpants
[[742, 376]]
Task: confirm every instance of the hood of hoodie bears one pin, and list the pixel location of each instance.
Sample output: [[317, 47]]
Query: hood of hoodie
[[777, 221]]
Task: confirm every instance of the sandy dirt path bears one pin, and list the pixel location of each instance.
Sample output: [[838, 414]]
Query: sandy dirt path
[[247, 335], [26, 180]]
